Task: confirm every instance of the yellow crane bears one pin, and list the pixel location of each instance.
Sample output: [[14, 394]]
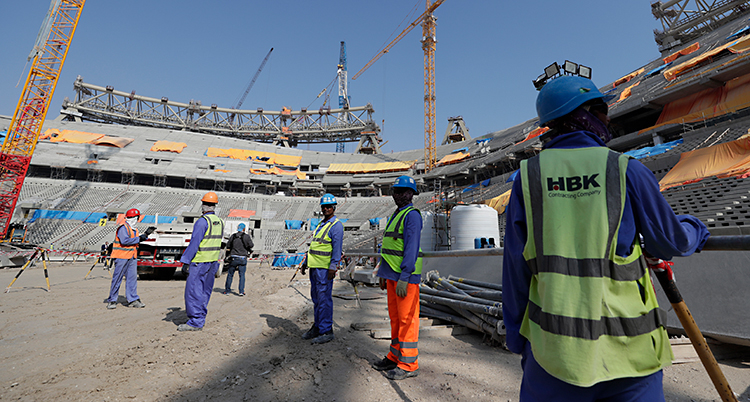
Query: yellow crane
[[428, 46], [49, 54]]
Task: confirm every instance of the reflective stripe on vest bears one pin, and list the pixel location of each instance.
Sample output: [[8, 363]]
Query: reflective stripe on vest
[[209, 248], [592, 316], [392, 250], [124, 252], [321, 247]]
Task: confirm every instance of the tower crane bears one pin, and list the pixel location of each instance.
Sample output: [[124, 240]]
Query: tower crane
[[252, 82], [428, 46], [49, 54], [341, 72]]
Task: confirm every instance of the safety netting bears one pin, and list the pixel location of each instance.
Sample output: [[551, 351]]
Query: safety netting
[[453, 158], [168, 146], [260, 156], [737, 46], [380, 167], [708, 103], [729, 159]]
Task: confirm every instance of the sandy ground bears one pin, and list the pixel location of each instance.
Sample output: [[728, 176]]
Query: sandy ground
[[64, 345]]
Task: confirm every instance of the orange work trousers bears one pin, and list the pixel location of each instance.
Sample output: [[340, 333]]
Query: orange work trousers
[[404, 315]]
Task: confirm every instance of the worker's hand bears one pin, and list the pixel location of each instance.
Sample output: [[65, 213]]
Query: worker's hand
[[303, 269], [150, 230], [143, 236], [658, 265], [382, 283], [331, 274], [401, 287], [185, 269]]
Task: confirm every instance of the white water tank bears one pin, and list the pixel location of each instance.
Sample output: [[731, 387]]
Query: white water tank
[[434, 236], [469, 222]]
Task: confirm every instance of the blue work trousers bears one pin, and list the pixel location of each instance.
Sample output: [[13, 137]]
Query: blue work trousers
[[129, 269], [198, 287], [539, 386], [321, 289], [237, 264]]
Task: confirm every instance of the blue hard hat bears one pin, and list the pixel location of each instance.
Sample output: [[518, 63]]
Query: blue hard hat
[[563, 95], [328, 199], [241, 226], [406, 182]]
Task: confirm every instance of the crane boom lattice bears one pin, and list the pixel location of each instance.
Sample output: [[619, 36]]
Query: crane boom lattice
[[28, 118]]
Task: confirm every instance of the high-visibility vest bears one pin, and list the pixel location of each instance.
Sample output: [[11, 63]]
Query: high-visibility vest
[[209, 248], [321, 248], [592, 315], [392, 250], [124, 252]]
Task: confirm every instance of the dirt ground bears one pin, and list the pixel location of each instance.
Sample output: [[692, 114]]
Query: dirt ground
[[64, 345]]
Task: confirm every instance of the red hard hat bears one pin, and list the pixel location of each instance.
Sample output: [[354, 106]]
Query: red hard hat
[[132, 212]]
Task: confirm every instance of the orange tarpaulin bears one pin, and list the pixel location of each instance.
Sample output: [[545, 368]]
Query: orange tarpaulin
[[500, 202], [684, 52], [738, 46], [536, 133], [628, 77], [76, 137], [241, 213], [370, 167], [453, 158], [722, 160], [277, 171], [627, 91], [708, 103], [119, 142], [244, 154], [169, 146]]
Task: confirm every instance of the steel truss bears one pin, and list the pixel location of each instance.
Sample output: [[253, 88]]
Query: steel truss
[[681, 23], [106, 105]]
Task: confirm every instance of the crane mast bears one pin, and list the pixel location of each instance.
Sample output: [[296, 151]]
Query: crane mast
[[343, 88], [428, 45], [49, 55]]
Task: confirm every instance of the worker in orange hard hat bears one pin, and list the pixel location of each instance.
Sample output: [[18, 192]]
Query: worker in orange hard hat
[[124, 253], [200, 261]]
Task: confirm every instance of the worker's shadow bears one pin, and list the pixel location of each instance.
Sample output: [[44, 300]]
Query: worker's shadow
[[176, 315], [285, 325]]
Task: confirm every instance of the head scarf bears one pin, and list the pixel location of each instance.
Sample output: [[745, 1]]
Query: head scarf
[[581, 120]]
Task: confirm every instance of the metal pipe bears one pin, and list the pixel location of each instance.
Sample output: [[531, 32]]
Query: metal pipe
[[458, 304], [727, 243], [454, 296], [478, 292], [434, 276], [487, 285]]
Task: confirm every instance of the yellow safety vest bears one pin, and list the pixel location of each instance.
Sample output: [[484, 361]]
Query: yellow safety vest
[[321, 248], [210, 247], [392, 250]]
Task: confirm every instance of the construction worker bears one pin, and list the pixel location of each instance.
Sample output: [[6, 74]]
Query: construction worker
[[578, 301], [323, 258], [239, 247], [200, 261], [124, 253], [400, 272]]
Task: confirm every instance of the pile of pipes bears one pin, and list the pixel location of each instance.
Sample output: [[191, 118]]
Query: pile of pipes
[[472, 304]]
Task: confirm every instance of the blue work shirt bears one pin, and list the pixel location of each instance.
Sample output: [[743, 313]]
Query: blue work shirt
[[412, 231], [337, 238], [125, 240], [199, 230], [646, 212]]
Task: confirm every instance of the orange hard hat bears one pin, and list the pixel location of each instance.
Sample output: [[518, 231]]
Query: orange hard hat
[[210, 197], [132, 212]]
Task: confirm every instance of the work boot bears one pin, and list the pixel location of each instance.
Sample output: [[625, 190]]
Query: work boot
[[311, 333], [242, 294], [137, 303], [112, 305], [385, 364], [322, 338], [185, 327], [399, 374]]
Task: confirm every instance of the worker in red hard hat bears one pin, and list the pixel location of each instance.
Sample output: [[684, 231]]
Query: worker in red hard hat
[[200, 261], [578, 302], [124, 254]]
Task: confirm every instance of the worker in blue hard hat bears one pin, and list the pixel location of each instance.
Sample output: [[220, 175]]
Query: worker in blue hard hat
[[239, 247], [400, 273], [323, 258], [578, 302]]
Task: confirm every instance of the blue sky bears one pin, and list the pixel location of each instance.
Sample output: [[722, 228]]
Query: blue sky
[[487, 54]]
